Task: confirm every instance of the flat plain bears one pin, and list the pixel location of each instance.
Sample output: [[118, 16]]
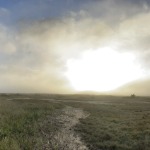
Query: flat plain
[[74, 122]]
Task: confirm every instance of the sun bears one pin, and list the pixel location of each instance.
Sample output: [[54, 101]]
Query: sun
[[102, 70]]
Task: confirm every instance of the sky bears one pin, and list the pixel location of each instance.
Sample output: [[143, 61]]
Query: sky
[[69, 46]]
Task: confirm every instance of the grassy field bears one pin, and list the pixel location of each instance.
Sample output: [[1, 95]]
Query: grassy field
[[114, 123], [24, 123]]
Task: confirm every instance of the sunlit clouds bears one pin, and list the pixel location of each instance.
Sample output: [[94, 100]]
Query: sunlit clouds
[[102, 70], [83, 46]]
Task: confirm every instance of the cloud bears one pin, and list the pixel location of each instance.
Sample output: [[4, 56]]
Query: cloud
[[4, 12], [17, 79], [134, 35], [139, 88], [7, 40], [33, 57], [5, 15], [114, 11]]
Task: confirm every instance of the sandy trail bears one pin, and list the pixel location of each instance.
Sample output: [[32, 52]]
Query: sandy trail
[[66, 138]]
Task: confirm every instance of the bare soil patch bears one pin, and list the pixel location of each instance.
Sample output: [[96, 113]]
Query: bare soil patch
[[66, 138]]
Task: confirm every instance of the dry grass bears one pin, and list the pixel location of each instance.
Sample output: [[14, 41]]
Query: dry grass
[[31, 122], [22, 123], [116, 123]]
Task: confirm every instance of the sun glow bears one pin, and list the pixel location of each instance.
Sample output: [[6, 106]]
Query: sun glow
[[102, 70]]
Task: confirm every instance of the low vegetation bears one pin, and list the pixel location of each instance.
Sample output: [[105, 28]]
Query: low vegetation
[[23, 123], [117, 124], [114, 123]]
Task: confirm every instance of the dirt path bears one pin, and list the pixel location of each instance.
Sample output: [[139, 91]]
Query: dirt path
[[66, 138]]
